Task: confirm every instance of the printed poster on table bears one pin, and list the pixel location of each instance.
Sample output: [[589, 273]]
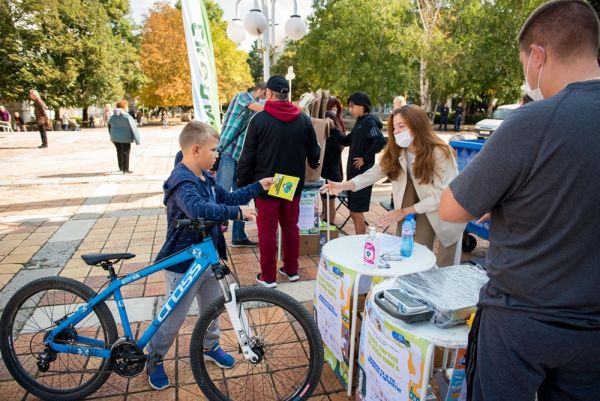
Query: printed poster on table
[[333, 292], [391, 361]]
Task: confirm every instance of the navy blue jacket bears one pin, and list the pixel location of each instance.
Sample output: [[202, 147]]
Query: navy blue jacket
[[189, 197]]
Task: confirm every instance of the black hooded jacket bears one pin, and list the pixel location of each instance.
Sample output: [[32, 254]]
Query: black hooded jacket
[[280, 139], [365, 140]]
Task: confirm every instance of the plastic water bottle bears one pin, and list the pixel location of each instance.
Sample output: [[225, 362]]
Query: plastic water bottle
[[370, 249], [408, 236]]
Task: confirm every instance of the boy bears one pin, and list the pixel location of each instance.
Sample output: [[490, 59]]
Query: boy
[[191, 192], [365, 141]]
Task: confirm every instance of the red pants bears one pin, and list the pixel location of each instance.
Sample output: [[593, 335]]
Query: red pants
[[270, 212]]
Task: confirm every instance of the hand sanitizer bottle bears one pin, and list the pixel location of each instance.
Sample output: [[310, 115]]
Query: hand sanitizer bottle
[[370, 250]]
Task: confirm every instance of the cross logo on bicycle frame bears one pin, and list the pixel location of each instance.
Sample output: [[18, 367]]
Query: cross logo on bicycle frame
[[198, 253]]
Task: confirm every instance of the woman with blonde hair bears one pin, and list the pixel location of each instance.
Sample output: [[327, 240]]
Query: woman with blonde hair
[[420, 166]]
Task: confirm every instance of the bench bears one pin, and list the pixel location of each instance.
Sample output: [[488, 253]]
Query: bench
[[6, 126]]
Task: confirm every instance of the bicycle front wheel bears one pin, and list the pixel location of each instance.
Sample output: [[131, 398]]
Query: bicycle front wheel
[[281, 331], [28, 318]]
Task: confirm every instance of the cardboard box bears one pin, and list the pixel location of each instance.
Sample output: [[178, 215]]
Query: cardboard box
[[322, 130], [310, 244]]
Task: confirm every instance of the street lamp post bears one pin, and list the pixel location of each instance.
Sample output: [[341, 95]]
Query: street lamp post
[[257, 23]]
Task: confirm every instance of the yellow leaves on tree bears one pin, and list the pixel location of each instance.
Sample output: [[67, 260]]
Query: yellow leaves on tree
[[164, 60]]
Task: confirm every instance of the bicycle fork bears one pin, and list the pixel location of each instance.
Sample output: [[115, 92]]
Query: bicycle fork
[[239, 320]]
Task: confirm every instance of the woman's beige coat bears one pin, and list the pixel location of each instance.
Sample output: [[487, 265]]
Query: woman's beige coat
[[429, 194]]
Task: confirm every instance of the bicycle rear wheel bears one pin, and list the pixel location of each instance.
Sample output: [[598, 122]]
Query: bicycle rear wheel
[[282, 331], [30, 315]]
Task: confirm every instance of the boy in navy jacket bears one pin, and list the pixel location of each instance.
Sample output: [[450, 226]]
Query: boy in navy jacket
[[191, 192]]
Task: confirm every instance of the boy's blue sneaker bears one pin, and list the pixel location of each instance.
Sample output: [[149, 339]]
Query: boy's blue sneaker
[[157, 377], [220, 357]]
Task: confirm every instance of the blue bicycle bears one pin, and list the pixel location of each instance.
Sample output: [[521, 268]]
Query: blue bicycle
[[59, 339]]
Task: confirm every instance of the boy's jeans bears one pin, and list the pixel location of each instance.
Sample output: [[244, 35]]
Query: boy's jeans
[[206, 290], [226, 178]]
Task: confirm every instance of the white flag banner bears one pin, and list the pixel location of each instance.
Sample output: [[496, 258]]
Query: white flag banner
[[202, 63]]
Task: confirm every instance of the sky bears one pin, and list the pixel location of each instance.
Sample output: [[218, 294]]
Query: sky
[[284, 8]]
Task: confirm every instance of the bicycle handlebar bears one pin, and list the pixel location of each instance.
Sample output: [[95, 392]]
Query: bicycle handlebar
[[195, 224]]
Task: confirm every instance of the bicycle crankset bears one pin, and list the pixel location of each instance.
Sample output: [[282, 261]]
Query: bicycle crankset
[[127, 358]]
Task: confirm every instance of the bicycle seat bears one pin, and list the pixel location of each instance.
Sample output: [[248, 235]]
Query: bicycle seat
[[96, 258]]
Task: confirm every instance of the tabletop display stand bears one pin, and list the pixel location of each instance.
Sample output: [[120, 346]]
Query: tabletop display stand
[[337, 290], [396, 358]]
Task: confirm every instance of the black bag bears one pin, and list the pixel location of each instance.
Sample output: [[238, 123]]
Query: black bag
[[215, 166]]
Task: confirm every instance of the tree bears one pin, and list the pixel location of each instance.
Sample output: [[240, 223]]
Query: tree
[[489, 62], [165, 63], [354, 46], [75, 51]]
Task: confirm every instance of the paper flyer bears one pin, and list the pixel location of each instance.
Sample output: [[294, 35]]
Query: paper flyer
[[308, 220], [329, 310], [337, 282], [458, 376], [391, 361], [284, 186]]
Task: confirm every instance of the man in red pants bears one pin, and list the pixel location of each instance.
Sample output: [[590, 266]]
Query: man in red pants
[[280, 139]]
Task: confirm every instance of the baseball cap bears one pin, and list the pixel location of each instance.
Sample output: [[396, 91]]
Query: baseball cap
[[278, 84]]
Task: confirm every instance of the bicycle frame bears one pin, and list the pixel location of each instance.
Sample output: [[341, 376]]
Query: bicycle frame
[[204, 255]]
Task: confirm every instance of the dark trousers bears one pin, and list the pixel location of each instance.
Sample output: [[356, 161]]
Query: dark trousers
[[123, 155], [518, 356], [42, 129], [457, 123], [271, 212], [444, 122]]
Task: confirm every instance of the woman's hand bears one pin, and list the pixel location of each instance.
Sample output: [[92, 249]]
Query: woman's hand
[[334, 188], [391, 217], [358, 162], [266, 183], [248, 213]]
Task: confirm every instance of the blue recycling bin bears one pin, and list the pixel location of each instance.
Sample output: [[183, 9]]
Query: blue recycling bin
[[466, 151]]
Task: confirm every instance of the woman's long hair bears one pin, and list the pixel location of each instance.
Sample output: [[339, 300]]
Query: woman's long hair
[[425, 141], [335, 102]]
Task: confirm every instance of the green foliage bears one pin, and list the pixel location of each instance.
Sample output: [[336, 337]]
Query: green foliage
[[353, 46], [489, 65], [77, 52], [463, 48], [255, 62], [165, 63]]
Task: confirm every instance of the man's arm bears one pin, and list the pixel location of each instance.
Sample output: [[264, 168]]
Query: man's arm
[[244, 99], [313, 154], [344, 140], [450, 210], [495, 174], [255, 107], [378, 142], [245, 165]]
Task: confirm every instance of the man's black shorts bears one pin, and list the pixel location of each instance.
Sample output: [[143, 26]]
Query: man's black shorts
[[360, 201]]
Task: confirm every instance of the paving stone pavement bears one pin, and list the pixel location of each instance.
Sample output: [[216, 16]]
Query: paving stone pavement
[[69, 199]]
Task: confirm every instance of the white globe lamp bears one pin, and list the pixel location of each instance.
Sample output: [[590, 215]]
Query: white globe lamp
[[295, 28], [236, 31], [255, 22]]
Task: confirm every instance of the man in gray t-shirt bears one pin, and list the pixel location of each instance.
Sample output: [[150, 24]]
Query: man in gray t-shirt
[[539, 176]]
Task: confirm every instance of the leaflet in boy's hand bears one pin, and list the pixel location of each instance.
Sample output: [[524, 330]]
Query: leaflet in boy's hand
[[284, 186]]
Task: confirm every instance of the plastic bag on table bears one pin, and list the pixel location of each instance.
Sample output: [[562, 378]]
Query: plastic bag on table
[[451, 292]]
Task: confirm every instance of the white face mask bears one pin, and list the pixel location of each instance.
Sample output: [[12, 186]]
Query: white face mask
[[403, 139], [535, 94]]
